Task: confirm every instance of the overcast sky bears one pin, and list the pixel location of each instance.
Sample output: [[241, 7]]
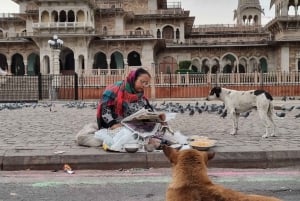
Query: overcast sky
[[205, 11]]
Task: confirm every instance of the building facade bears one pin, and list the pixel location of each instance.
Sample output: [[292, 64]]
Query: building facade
[[108, 35]]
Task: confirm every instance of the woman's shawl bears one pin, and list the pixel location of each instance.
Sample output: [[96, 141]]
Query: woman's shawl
[[120, 94]]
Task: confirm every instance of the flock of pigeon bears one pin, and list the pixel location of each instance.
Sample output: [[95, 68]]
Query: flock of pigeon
[[50, 105], [218, 109], [190, 108]]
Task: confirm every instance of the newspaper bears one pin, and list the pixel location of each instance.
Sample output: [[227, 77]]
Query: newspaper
[[145, 114], [144, 122]]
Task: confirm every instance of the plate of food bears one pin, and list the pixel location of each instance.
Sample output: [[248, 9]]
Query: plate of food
[[202, 144]]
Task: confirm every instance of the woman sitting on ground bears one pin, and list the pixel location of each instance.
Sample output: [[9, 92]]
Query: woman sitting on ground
[[118, 101], [123, 99]]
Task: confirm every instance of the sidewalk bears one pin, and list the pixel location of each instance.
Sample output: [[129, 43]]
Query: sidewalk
[[37, 138]]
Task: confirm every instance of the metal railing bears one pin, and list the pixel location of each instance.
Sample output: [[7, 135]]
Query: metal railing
[[87, 86]]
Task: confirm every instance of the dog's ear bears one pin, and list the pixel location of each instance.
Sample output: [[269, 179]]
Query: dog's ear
[[210, 155], [170, 153]]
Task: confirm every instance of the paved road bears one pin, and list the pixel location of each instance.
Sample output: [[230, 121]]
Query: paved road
[[31, 136], [137, 184]]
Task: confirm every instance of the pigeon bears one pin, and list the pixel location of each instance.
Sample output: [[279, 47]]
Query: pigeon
[[34, 105], [192, 112], [288, 109], [224, 114], [280, 114], [245, 114], [292, 98], [220, 111], [297, 116], [199, 110], [284, 98], [181, 110]]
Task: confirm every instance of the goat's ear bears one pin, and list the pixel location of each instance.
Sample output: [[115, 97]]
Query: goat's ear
[[170, 153]]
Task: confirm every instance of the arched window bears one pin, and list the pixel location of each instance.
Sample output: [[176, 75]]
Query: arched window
[[71, 16], [100, 61], [45, 16], [133, 59], [54, 16], [62, 16], [168, 32], [116, 61], [177, 34], [80, 16], [158, 34], [105, 30]]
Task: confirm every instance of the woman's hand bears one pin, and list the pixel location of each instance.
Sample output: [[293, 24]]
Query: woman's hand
[[115, 126]]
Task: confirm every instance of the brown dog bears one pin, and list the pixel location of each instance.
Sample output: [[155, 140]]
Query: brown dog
[[190, 181]]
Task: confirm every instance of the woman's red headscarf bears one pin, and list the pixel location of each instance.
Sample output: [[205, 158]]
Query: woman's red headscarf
[[121, 94]]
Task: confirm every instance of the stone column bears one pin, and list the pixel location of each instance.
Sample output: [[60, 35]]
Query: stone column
[[56, 69], [25, 67], [76, 62], [9, 66]]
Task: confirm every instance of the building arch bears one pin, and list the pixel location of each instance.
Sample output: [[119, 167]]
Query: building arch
[[62, 16], [205, 64], [71, 16], [46, 64], [1, 33], [54, 16], [256, 20], [81, 62], [195, 65], [80, 16], [215, 65], [116, 60], [158, 33], [66, 61], [253, 64], [3, 62], [100, 61], [45, 16], [33, 64], [168, 65], [292, 11], [177, 34], [168, 32], [23, 32], [104, 30], [228, 62], [263, 65], [139, 31], [134, 59], [17, 65], [243, 64]]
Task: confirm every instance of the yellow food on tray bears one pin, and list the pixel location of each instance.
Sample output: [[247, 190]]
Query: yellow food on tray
[[202, 143]]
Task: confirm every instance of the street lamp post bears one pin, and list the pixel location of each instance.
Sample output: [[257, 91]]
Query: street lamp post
[[55, 45]]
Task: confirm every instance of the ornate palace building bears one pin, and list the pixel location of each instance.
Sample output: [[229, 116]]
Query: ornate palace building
[[108, 35]]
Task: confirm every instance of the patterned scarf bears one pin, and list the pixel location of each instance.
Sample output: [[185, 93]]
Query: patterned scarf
[[121, 94]]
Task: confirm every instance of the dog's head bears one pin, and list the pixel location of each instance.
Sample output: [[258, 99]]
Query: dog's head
[[214, 93], [187, 157]]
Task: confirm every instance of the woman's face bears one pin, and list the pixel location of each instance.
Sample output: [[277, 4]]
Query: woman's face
[[141, 82]]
